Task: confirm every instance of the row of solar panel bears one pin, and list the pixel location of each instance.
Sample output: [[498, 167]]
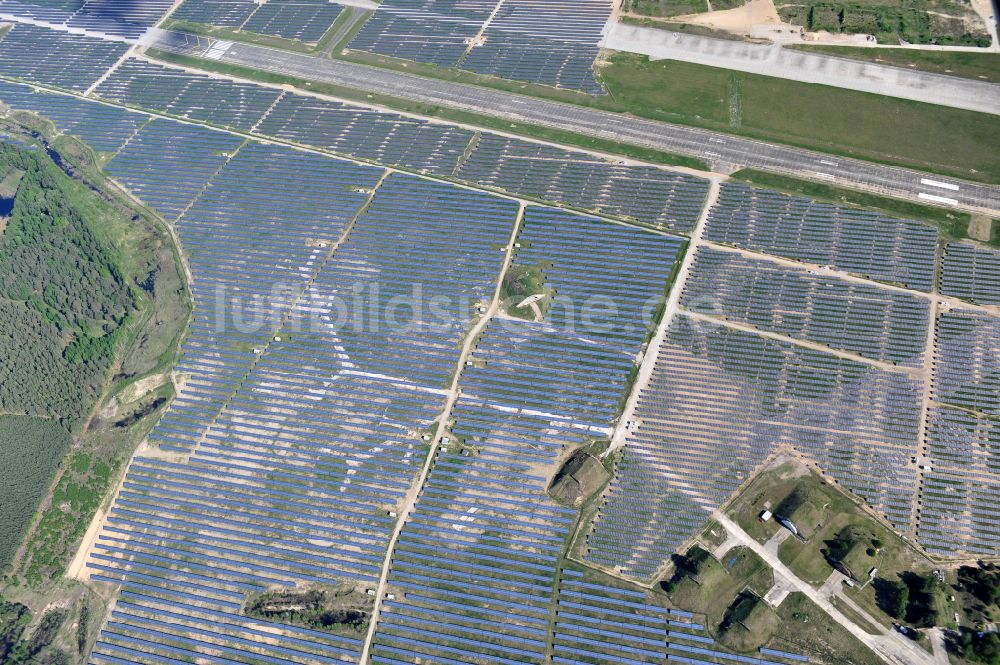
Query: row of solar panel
[[125, 19], [292, 477], [718, 402], [638, 193], [531, 391], [552, 42], [304, 20], [858, 317]]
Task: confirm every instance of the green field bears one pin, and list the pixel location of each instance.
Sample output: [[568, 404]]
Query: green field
[[807, 629], [982, 66], [665, 8], [843, 122], [30, 451], [713, 585]]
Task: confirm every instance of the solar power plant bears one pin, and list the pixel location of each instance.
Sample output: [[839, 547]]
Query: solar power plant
[[198, 97], [971, 272], [305, 20], [858, 317], [645, 194], [223, 13], [959, 494], [250, 256], [602, 624], [294, 480], [104, 128], [56, 58], [433, 31], [168, 163], [127, 19], [719, 401], [967, 363], [389, 138], [527, 394], [51, 11], [552, 42], [882, 248]]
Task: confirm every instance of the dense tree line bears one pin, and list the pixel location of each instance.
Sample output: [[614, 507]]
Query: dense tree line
[[36, 649], [63, 300], [30, 451]]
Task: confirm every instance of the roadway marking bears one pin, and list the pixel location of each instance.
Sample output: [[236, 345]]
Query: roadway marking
[[827, 162], [938, 183], [828, 176], [217, 50], [937, 199]]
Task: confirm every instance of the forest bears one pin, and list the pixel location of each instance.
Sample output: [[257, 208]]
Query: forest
[[63, 300], [30, 451]]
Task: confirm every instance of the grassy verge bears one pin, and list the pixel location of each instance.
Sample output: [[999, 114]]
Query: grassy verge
[[953, 224], [486, 122], [807, 630], [980, 66], [359, 19], [843, 122], [665, 8]]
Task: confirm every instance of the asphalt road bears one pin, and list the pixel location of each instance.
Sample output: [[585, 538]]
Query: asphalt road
[[722, 151]]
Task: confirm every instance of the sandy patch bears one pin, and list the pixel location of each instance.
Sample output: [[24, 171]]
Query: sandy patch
[[980, 228], [740, 20]]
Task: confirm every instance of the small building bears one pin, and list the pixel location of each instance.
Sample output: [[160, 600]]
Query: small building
[[766, 516]]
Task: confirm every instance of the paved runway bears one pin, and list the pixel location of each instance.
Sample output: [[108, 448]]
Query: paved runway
[[773, 60], [716, 148]]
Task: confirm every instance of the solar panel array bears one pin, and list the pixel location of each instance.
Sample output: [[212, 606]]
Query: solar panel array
[[389, 138], [56, 58], [433, 31], [128, 19], [645, 194], [250, 256], [197, 97], [718, 402], [600, 624], [305, 20], [294, 480], [552, 42], [168, 163], [858, 317], [853, 240], [529, 392], [223, 13], [959, 495], [971, 272], [105, 128], [967, 364], [642, 194]]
